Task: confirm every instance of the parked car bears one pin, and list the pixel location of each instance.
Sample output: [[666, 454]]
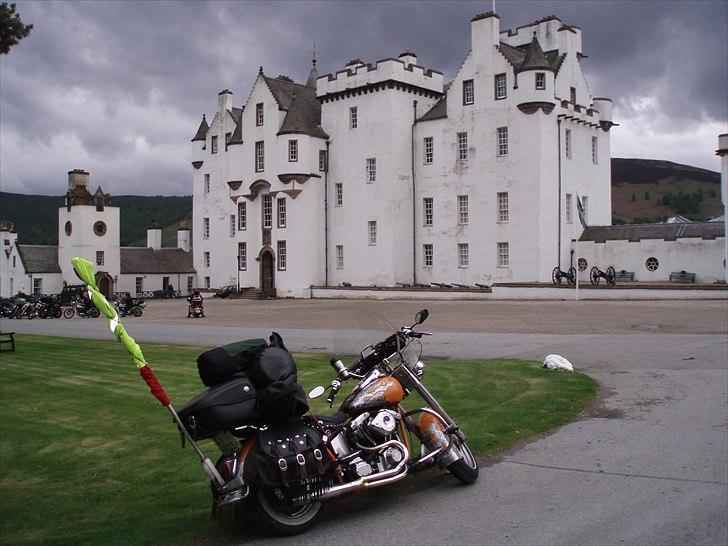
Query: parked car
[[225, 291]]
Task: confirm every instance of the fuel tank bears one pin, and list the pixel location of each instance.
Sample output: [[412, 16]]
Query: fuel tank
[[381, 393]]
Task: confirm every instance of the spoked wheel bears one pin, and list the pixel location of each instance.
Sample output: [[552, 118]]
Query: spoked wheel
[[136, 311], [465, 469], [556, 275], [611, 276], [594, 276], [280, 519], [68, 312], [94, 313], [572, 276]]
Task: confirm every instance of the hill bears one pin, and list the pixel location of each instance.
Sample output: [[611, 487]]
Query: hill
[[649, 190], [36, 216]]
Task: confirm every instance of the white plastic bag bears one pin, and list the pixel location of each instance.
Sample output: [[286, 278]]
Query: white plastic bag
[[557, 362]]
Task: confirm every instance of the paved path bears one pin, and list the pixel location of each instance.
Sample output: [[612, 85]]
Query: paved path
[[649, 465]]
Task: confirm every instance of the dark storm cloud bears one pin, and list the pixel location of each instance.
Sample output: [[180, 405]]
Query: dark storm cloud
[[118, 88]]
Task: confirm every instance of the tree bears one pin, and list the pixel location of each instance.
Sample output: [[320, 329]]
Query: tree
[[12, 29]]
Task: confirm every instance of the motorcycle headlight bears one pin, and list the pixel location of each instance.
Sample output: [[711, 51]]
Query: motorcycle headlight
[[419, 368]]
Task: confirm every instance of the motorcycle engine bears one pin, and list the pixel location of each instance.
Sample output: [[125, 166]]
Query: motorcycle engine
[[371, 431]]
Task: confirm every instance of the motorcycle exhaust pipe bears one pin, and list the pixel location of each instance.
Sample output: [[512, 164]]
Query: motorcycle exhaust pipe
[[374, 480]]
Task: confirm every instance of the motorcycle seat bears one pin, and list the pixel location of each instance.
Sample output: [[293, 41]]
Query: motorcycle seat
[[338, 418]]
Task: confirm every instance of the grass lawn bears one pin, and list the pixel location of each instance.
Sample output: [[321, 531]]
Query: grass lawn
[[88, 456]]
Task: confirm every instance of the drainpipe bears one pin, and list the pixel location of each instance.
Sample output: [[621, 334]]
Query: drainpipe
[[414, 197], [326, 215], [558, 127]]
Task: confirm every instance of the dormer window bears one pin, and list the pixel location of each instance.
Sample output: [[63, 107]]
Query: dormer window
[[468, 92], [540, 80], [259, 114]]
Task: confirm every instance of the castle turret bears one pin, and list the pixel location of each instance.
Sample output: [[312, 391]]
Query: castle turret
[[198, 143], [534, 88]]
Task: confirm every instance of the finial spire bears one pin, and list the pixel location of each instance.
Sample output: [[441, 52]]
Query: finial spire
[[314, 53]]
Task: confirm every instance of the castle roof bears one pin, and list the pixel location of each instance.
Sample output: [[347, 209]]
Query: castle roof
[[535, 58], [668, 232], [39, 258], [201, 133], [516, 56], [302, 107], [312, 76], [438, 111], [149, 260], [237, 136]]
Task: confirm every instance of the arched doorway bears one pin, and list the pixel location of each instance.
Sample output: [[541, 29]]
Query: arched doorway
[[105, 284], [267, 270]]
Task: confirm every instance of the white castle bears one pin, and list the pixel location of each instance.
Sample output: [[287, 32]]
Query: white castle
[[382, 174]]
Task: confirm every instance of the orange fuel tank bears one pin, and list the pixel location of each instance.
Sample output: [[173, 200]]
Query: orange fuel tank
[[381, 393]]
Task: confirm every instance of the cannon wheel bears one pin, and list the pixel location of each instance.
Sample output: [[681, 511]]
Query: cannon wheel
[[594, 276], [556, 275], [572, 275], [611, 276]]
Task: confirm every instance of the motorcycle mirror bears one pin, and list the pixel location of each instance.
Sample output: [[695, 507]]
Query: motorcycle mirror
[[316, 392], [421, 316]]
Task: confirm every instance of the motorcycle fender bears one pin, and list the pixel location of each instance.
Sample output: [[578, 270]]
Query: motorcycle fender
[[432, 432]]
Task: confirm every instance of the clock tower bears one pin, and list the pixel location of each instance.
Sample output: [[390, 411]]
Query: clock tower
[[88, 226]]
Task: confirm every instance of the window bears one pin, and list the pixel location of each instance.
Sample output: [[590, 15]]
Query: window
[[339, 256], [372, 225], [207, 183], [585, 208], [281, 204], [568, 208], [540, 80], [259, 114], [190, 280], [567, 143], [259, 157], [503, 206], [13, 266], [468, 92], [427, 255], [207, 282], [572, 94], [500, 86], [427, 210], [242, 256], [267, 211], [205, 228], [292, 151], [213, 144], [99, 257], [139, 284], [502, 141], [227, 139], [281, 255], [652, 263], [207, 259], [38, 286], [463, 255], [462, 209], [429, 152], [322, 160], [462, 145], [232, 225], [595, 150], [371, 169], [503, 258], [353, 118], [339, 194], [242, 216]]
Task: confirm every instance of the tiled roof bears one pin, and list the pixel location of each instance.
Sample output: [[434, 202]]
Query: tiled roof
[[668, 232], [237, 136], [148, 260], [517, 56], [201, 133], [39, 258], [438, 111], [535, 57], [304, 109]]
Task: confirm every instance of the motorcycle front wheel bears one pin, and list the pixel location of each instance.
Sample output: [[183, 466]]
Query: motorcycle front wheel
[[95, 313], [68, 312], [466, 468], [281, 520], [136, 311]]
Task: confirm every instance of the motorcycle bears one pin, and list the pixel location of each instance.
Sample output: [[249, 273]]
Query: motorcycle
[[49, 307], [83, 308], [286, 464], [135, 309], [196, 309]]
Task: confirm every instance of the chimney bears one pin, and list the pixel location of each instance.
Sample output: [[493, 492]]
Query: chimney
[[408, 57], [225, 101], [183, 236], [154, 236], [485, 31], [76, 178]]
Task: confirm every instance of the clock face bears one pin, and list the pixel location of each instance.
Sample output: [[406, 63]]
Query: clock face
[[68, 228], [100, 228]]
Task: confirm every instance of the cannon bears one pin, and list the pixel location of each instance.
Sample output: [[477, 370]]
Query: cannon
[[557, 275], [596, 275]]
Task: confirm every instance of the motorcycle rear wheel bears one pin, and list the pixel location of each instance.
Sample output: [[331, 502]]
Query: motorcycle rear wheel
[[95, 313], [465, 469], [136, 311], [68, 312], [281, 521]]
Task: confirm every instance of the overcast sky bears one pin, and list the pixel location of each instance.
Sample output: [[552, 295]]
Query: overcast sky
[[119, 88]]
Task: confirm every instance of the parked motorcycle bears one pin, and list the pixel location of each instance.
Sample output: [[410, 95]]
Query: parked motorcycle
[[135, 307], [49, 307], [285, 463], [82, 308]]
